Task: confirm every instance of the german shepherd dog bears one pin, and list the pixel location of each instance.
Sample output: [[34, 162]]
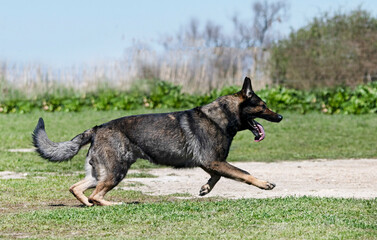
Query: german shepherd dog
[[199, 137]]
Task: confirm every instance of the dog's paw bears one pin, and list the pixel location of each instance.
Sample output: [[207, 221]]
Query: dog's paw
[[204, 190], [267, 186]]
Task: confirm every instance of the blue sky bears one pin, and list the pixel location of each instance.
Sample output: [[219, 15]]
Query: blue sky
[[62, 33]]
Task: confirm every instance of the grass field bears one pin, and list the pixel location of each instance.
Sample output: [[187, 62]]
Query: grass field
[[40, 206], [297, 137], [165, 218]]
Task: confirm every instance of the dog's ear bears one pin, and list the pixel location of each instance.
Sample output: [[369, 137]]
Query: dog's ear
[[247, 89]]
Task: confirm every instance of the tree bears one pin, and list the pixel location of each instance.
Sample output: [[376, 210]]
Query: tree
[[206, 54], [333, 49], [257, 33]]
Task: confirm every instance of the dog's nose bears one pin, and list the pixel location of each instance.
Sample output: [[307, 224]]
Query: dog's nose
[[280, 117]]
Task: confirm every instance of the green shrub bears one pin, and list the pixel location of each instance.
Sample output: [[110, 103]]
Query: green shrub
[[332, 50], [360, 100]]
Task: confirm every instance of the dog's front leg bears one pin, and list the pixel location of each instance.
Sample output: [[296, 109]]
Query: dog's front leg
[[229, 171], [206, 188]]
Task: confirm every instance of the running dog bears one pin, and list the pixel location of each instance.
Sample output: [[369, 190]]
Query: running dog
[[199, 137]]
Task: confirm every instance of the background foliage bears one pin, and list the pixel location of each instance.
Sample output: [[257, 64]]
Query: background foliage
[[159, 94], [332, 50]]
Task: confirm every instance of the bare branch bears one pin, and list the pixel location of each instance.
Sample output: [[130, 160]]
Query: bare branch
[[255, 32]]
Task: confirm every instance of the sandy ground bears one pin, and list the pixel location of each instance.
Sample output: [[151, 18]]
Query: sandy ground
[[353, 178]]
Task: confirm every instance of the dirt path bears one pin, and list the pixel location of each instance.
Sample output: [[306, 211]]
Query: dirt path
[[324, 178], [353, 178]]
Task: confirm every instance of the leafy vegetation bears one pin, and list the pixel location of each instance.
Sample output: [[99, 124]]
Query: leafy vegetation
[[359, 100]]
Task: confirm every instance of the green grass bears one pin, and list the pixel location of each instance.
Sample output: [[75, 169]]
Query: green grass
[[141, 175], [310, 136], [41, 207], [297, 137]]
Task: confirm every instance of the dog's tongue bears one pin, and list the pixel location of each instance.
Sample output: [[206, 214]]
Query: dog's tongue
[[261, 133]]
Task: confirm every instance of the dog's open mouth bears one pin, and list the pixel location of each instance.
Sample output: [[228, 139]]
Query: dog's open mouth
[[257, 129]]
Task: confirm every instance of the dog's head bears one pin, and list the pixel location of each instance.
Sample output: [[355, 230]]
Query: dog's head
[[253, 107]]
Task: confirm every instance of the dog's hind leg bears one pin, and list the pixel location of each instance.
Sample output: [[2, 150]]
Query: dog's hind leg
[[206, 188], [97, 197], [110, 161], [229, 171], [109, 173], [109, 177], [80, 187]]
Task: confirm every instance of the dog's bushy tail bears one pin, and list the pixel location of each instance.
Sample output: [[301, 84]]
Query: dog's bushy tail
[[61, 151]]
